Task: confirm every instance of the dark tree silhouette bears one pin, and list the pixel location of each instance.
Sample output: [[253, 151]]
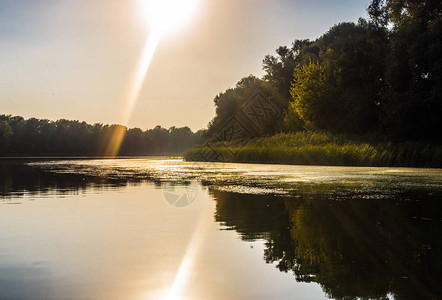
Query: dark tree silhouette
[[20, 137]]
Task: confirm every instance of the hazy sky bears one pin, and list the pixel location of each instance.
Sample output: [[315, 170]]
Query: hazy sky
[[74, 59]]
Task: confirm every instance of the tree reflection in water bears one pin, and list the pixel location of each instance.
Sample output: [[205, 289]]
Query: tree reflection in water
[[353, 247], [17, 179]]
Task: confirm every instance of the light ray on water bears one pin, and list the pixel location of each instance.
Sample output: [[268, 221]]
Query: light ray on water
[[187, 264]]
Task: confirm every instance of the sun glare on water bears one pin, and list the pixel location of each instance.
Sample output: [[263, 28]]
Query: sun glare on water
[[161, 17]]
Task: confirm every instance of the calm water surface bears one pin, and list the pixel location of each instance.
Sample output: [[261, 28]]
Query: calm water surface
[[167, 229]]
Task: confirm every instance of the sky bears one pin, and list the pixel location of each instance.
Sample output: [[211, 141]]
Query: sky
[[76, 59]]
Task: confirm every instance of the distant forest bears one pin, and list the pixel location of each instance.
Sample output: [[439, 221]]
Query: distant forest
[[378, 78], [34, 137]]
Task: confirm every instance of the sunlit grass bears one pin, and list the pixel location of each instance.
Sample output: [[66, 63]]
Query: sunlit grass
[[313, 148]]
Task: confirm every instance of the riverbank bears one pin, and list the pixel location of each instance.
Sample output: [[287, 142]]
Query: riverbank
[[312, 148]]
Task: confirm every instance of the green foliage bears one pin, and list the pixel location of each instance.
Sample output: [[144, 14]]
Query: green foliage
[[19, 137], [354, 57], [275, 84], [229, 103], [338, 82], [380, 77], [413, 105], [292, 121], [339, 88], [279, 69], [397, 11], [314, 97]]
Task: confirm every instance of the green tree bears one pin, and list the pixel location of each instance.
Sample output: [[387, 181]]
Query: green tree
[[411, 100], [397, 11], [354, 56], [279, 68], [314, 98], [229, 103]]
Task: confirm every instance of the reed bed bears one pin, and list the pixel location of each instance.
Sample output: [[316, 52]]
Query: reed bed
[[318, 148]]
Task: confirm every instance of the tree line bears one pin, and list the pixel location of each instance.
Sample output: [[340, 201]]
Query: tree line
[[379, 77], [20, 137]]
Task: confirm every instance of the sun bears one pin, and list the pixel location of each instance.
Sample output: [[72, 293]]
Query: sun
[[164, 16]]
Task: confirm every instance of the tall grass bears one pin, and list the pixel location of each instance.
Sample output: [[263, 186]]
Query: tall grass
[[317, 148]]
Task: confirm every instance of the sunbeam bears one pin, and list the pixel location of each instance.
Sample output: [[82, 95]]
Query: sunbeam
[[161, 16], [138, 78], [140, 74]]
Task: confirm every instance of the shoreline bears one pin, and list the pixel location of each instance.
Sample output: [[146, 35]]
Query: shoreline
[[312, 148]]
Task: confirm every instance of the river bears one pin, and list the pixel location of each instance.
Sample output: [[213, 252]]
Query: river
[[158, 228]]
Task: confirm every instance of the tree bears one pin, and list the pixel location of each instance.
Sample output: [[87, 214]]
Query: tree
[[181, 139], [419, 10], [354, 55], [64, 137], [159, 140], [279, 69], [5, 136], [314, 98], [230, 103], [412, 103]]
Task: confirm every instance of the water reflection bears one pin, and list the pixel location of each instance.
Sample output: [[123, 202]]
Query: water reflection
[[18, 179], [353, 249], [374, 237]]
